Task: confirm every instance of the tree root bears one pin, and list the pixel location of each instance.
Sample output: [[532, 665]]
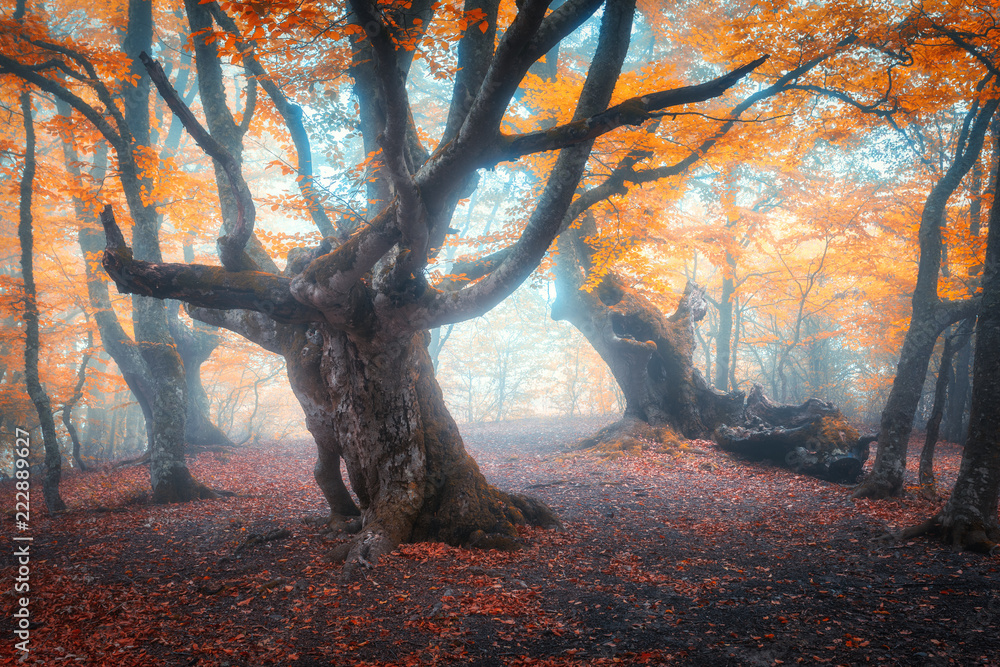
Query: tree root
[[362, 552], [142, 459], [256, 538], [960, 534], [874, 490], [334, 523], [630, 436]]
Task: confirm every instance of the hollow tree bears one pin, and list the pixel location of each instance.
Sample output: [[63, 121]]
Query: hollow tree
[[649, 353], [364, 301]]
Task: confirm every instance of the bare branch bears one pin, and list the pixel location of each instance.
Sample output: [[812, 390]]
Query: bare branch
[[633, 111], [48, 85]]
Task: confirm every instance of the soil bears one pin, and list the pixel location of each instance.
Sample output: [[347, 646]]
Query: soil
[[687, 557]]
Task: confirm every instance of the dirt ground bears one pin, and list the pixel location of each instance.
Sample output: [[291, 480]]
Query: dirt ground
[[688, 557]]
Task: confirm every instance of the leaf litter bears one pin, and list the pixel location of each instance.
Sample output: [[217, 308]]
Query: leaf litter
[[684, 557]]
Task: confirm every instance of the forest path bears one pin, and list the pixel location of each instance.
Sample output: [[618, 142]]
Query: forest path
[[689, 557]]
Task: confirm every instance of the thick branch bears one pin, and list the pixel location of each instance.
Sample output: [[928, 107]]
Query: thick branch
[[475, 53], [232, 245], [199, 285], [528, 38], [292, 115], [546, 219]]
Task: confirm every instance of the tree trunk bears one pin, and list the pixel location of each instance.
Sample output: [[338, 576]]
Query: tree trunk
[[926, 472], [304, 351], [723, 339], [649, 355], [969, 519], [955, 426], [930, 316], [195, 345], [53, 457], [405, 457], [67, 412]]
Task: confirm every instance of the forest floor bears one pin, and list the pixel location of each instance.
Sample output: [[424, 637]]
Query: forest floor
[[690, 557]]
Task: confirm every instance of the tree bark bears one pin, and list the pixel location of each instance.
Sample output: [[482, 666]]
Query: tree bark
[[412, 475], [40, 399]]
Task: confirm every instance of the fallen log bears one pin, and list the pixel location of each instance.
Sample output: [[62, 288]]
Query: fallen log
[[813, 438]]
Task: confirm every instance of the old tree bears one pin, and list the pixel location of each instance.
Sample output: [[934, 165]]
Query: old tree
[[351, 315]]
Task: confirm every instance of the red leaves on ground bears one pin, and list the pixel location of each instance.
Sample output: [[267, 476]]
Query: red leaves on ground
[[685, 558]]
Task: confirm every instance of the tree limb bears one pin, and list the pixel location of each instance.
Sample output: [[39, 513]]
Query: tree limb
[[633, 111], [232, 245], [200, 285], [292, 115]]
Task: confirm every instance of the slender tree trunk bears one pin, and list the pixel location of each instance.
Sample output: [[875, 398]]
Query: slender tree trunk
[[724, 338], [53, 457], [67, 413], [930, 316], [305, 351], [954, 426], [926, 472]]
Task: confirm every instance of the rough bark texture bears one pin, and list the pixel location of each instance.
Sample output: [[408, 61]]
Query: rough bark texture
[[412, 475], [303, 348], [813, 438]]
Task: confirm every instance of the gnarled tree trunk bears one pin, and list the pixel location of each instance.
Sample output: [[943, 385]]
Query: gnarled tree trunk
[[404, 454], [650, 355]]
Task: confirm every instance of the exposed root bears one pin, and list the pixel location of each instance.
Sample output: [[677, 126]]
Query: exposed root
[[362, 552], [141, 460], [874, 489], [256, 538], [334, 523], [961, 534], [631, 436]]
